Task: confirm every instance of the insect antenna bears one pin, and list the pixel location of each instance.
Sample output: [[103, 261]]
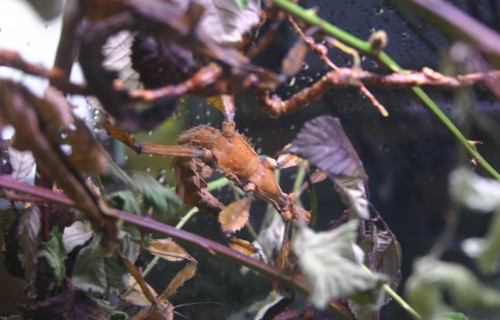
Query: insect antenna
[[193, 304]]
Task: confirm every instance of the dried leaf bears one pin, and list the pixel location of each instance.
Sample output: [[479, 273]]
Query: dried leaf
[[287, 160], [324, 144], [22, 163], [242, 246], [182, 276], [167, 249], [76, 235], [328, 263], [137, 296], [234, 217], [28, 232]]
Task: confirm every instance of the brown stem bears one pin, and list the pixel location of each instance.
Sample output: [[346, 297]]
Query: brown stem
[[57, 77]]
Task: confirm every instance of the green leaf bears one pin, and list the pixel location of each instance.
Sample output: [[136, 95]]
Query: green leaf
[[242, 4], [89, 274], [474, 192], [126, 201], [54, 253], [433, 279], [97, 273], [481, 194], [454, 316], [27, 234], [76, 235], [154, 193], [328, 262]]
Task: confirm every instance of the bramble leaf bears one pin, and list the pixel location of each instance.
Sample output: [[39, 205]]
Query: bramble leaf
[[76, 235], [324, 144], [96, 272], [329, 265]]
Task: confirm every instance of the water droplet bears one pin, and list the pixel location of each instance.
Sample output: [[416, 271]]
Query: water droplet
[[379, 11], [405, 36], [147, 169], [291, 82], [63, 135]]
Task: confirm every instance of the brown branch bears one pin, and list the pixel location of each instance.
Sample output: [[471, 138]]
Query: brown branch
[[343, 77], [57, 77]]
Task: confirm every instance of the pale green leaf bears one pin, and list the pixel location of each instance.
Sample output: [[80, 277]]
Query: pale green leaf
[[328, 263], [474, 192], [353, 190], [76, 235], [454, 316], [432, 280], [22, 163], [481, 194]]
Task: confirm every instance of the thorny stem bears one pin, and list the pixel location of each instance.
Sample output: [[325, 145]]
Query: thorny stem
[[6, 181], [382, 58]]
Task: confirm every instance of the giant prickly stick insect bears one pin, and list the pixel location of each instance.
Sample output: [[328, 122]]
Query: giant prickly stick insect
[[202, 149]]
